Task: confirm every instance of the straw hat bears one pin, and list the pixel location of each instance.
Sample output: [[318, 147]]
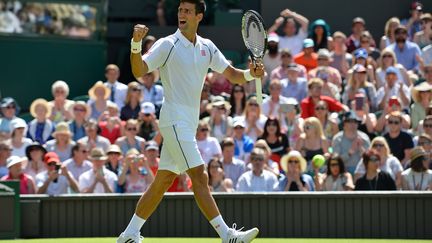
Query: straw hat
[[293, 154], [218, 101], [415, 91], [99, 84], [417, 152], [43, 103], [114, 148], [62, 128], [97, 154]]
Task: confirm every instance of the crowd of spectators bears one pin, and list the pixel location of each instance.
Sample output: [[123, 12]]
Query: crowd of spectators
[[362, 107]]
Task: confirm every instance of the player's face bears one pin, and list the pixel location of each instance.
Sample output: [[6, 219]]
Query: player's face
[[187, 18]]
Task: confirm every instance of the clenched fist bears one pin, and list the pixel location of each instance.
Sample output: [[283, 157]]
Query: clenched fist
[[140, 31]]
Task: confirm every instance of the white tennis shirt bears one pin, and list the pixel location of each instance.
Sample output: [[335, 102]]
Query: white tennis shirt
[[183, 67]]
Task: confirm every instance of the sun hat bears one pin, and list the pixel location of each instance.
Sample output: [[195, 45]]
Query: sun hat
[[114, 148], [148, 108], [34, 146], [13, 160], [217, 101], [97, 85], [151, 145], [293, 154], [38, 102], [422, 87], [417, 152], [62, 128], [97, 154]]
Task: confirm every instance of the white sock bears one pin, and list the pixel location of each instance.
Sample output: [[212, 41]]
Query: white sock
[[135, 225], [220, 226]]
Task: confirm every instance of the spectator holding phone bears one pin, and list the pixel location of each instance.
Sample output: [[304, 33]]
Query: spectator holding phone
[[388, 59], [394, 104], [358, 83], [140, 175], [56, 179], [368, 120], [98, 179], [422, 97], [393, 87]]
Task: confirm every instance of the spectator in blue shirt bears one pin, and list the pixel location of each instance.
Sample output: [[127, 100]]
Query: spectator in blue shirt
[[243, 144], [407, 52], [294, 86]]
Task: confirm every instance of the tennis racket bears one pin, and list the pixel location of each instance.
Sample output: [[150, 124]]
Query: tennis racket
[[255, 39]]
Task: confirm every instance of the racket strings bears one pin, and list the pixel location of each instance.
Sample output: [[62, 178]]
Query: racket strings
[[254, 35]]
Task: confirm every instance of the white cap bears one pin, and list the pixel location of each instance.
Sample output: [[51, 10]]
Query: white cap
[[239, 122], [148, 108], [13, 160], [273, 37], [18, 123]]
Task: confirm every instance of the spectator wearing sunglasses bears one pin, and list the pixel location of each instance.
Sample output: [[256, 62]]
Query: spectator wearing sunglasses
[[425, 141], [99, 97], [219, 121], [422, 38], [258, 179], [328, 121], [254, 119], [419, 176], [131, 139], [208, 146], [407, 52], [8, 111], [294, 166], [388, 163], [336, 178], [80, 113], [400, 142], [386, 60], [374, 179], [148, 123], [92, 138], [132, 107], [243, 144], [78, 164]]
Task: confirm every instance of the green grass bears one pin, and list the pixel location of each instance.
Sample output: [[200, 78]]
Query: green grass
[[206, 240]]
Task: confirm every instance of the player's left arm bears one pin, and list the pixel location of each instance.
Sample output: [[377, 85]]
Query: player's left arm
[[238, 76]]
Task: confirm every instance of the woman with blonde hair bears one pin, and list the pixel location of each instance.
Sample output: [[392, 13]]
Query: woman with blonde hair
[[388, 38], [132, 107], [422, 97], [294, 166], [424, 37], [388, 163], [312, 141], [253, 118], [40, 128], [328, 122], [388, 59], [62, 143], [99, 95], [358, 83]]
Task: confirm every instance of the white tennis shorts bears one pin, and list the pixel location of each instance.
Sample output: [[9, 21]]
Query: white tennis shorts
[[179, 150]]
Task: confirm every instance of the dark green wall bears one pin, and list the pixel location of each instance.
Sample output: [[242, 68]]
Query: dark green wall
[[29, 66]]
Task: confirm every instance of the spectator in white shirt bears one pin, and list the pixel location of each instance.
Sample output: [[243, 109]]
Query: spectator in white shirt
[[418, 177], [93, 139], [271, 104], [393, 88], [258, 179], [208, 146], [118, 90], [98, 179], [78, 164], [56, 179]]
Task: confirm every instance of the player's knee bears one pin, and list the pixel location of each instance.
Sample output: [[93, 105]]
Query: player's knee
[[165, 181]]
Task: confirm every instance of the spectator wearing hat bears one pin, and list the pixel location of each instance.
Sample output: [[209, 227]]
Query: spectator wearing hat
[[115, 157], [18, 140], [393, 87], [254, 119], [324, 71], [413, 23], [407, 52], [152, 92], [315, 87], [139, 176], [400, 142], [388, 59], [14, 165], [294, 85], [148, 123], [78, 163], [56, 179], [92, 138], [374, 179], [319, 32], [132, 107], [361, 57], [60, 106], [5, 153], [243, 143], [271, 104], [118, 90], [427, 55], [280, 72], [423, 37], [233, 167], [62, 143], [419, 176], [8, 111], [388, 162], [389, 37], [80, 113], [358, 83], [40, 128], [258, 179], [422, 97], [131, 138], [208, 146], [293, 37], [35, 153], [219, 122], [339, 57], [308, 58], [336, 178], [99, 95], [151, 152], [424, 140], [329, 121], [111, 126], [357, 27], [272, 59], [294, 166], [98, 179], [350, 143]]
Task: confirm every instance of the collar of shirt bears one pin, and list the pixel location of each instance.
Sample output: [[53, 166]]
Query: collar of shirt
[[183, 39], [112, 84]]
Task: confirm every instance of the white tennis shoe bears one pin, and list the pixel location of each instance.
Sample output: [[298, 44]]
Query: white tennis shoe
[[130, 238], [238, 236]]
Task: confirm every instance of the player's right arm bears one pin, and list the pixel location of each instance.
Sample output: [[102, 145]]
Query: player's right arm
[[139, 67]]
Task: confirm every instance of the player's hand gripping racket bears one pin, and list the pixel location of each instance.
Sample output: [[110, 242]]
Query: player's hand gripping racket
[[255, 39]]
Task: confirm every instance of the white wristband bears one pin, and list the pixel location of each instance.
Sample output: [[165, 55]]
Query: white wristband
[[248, 76], [136, 47]]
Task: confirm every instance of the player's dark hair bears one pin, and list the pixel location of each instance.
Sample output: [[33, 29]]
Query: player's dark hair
[[200, 6]]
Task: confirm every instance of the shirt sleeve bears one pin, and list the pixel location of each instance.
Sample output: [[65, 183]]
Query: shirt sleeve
[[158, 54], [218, 61], [242, 184]]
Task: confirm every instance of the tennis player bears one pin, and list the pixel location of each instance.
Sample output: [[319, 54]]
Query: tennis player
[[183, 59]]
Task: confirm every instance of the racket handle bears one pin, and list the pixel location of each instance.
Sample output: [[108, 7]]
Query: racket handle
[[258, 90]]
